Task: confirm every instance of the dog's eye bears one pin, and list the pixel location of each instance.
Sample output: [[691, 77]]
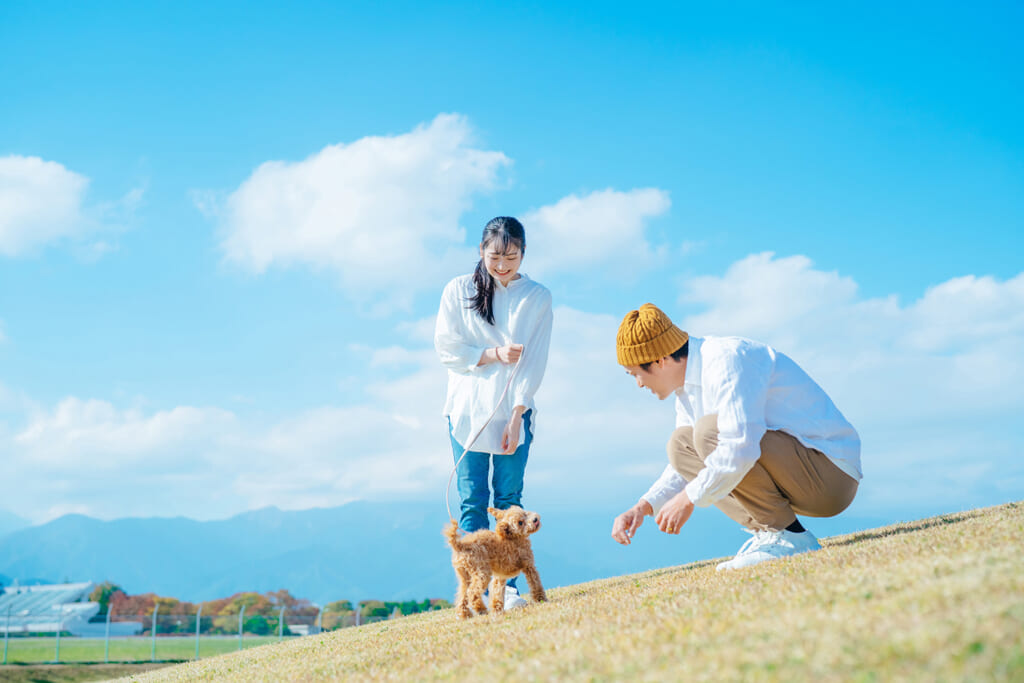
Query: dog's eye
[[520, 522]]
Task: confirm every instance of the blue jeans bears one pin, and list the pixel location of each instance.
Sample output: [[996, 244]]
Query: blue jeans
[[507, 480]]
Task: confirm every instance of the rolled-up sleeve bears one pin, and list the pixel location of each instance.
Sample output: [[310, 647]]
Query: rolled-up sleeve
[[738, 387], [535, 352], [668, 485], [455, 353]]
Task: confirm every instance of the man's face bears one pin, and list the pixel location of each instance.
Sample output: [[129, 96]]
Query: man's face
[[658, 378]]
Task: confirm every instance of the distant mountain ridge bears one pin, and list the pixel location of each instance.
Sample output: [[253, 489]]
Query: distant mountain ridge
[[319, 554], [10, 522], [357, 551]]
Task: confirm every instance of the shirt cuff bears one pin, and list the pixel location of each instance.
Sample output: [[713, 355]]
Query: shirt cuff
[[474, 365], [697, 495], [657, 499]]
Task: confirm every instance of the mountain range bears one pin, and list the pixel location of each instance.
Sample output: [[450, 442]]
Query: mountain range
[[358, 551]]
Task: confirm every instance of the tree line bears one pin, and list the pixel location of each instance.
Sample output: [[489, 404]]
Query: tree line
[[262, 610]]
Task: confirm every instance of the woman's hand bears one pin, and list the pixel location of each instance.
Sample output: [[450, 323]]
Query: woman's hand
[[510, 436], [509, 354]]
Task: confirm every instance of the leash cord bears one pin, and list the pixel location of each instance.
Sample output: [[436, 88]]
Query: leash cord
[[470, 443]]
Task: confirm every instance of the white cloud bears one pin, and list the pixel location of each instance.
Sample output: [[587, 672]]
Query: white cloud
[[381, 212], [40, 202], [92, 457], [604, 229], [421, 330], [107, 437], [961, 333], [967, 310]]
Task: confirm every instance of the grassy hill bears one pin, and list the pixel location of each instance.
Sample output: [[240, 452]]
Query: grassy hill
[[936, 599]]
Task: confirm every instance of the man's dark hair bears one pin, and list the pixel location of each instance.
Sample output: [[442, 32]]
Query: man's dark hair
[[677, 355]]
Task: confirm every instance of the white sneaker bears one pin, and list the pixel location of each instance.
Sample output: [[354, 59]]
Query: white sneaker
[[512, 599], [771, 545]]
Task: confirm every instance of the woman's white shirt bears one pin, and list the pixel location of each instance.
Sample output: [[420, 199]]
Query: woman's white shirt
[[522, 315]]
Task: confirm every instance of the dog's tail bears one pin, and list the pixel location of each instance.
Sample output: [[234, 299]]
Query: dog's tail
[[451, 532]]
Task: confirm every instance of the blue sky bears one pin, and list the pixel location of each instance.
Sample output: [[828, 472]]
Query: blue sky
[[224, 231]]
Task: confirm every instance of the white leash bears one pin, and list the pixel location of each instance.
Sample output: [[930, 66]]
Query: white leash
[[470, 443]]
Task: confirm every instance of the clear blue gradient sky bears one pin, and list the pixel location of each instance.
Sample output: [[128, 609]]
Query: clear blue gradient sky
[[224, 231]]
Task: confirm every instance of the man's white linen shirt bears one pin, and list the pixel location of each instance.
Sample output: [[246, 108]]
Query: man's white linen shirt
[[752, 388], [522, 315]]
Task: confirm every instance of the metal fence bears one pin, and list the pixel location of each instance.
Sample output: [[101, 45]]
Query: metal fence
[[165, 637]]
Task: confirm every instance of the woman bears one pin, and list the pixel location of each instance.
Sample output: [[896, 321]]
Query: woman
[[490, 322]]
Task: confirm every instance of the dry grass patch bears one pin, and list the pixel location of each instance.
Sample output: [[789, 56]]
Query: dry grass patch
[[938, 599]]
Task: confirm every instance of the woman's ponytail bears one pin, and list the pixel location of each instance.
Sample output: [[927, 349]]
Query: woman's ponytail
[[482, 300]]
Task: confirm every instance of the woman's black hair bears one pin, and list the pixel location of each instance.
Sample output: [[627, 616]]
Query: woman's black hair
[[677, 355], [501, 233]]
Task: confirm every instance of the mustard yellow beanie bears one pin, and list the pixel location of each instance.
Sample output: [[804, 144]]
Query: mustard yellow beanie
[[647, 335]]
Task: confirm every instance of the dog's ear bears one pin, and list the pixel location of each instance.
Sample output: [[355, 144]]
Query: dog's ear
[[494, 512], [502, 529]]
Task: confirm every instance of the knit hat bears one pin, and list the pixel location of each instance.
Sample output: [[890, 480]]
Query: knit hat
[[647, 335]]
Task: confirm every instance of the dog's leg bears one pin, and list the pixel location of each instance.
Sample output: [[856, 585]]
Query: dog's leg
[[461, 602], [497, 595], [477, 584], [533, 578]]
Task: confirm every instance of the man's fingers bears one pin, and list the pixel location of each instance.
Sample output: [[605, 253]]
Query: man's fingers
[[620, 531]]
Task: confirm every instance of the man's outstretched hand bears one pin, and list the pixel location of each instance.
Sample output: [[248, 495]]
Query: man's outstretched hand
[[674, 513], [629, 521]]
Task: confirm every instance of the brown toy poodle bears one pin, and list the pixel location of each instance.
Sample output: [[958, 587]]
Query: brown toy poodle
[[496, 556]]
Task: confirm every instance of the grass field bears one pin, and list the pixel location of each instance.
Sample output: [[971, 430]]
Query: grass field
[[31, 660], [70, 673], [940, 599], [140, 649]]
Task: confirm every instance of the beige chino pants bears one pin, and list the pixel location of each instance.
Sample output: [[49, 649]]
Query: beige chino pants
[[788, 479]]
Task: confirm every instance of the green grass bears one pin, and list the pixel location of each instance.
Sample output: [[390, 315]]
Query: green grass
[[70, 673], [940, 599], [140, 649]]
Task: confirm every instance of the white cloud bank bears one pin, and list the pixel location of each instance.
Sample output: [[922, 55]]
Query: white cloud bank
[[933, 386], [603, 230], [950, 353], [374, 211]]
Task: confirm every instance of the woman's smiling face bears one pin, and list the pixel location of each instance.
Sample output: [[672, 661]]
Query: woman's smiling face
[[502, 263]]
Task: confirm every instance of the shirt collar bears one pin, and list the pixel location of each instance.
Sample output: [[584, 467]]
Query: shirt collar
[[693, 364], [512, 285]]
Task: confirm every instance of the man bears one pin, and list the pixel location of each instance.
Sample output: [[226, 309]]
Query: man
[[755, 436]]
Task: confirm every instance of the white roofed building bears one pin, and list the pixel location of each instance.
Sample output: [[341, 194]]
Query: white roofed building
[[49, 608]]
